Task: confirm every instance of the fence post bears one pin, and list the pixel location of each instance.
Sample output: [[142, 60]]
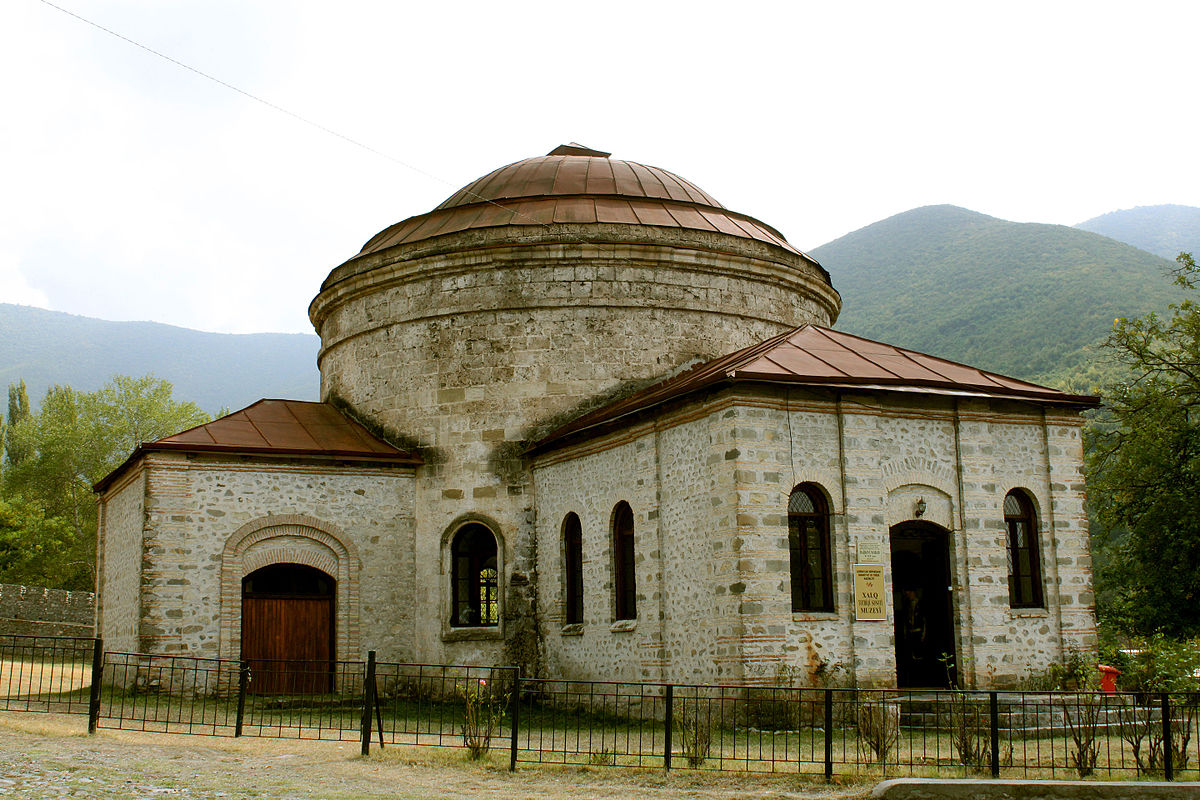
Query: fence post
[[994, 725], [828, 735], [1168, 761], [368, 702], [97, 677], [243, 682], [669, 721], [515, 712], [378, 710]]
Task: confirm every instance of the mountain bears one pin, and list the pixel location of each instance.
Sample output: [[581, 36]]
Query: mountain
[[1166, 231], [1023, 299], [210, 369]]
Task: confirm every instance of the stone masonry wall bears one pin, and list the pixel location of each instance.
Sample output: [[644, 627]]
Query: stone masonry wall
[[592, 486], [726, 469], [470, 347], [211, 521], [119, 562], [36, 611]]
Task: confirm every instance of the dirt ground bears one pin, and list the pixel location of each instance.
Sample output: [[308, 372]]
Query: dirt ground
[[49, 756]]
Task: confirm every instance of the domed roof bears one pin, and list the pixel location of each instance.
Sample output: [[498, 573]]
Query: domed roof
[[575, 170], [574, 184]]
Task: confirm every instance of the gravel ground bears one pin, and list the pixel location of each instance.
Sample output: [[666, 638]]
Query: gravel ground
[[48, 757]]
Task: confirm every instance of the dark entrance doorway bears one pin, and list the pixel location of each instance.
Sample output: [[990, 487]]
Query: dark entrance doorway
[[922, 606], [287, 629]]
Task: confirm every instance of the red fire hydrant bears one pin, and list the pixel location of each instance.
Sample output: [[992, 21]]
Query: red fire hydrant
[[1108, 678]]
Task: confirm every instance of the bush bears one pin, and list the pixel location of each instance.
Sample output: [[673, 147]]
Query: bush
[[1077, 673], [1155, 663], [969, 732], [694, 718], [482, 714], [879, 728]]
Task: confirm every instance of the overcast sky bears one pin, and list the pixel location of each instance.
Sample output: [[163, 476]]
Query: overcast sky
[[134, 189]]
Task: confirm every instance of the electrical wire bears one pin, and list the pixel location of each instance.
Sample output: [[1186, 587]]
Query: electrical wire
[[289, 113], [603, 247]]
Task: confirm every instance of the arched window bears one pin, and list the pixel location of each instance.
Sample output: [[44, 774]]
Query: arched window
[[1024, 560], [572, 570], [808, 546], [475, 578], [624, 580]]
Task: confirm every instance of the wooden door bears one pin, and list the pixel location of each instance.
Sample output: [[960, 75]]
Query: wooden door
[[288, 639]]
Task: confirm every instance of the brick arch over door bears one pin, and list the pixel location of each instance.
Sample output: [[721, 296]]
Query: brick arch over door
[[291, 539]]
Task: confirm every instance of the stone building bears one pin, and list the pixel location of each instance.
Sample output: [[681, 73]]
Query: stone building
[[583, 418]]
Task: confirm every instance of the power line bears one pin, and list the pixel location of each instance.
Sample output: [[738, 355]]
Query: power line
[[244, 93], [323, 128]]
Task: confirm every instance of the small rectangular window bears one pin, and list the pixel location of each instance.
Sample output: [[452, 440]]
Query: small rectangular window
[[572, 570], [624, 579]]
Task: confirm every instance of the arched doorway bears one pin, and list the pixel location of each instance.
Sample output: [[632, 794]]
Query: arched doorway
[[287, 629], [923, 606]]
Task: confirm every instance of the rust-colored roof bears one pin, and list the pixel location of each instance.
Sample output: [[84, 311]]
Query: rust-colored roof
[[817, 356], [575, 184], [277, 428]]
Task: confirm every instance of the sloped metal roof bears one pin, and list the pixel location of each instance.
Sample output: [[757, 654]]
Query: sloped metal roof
[[817, 356], [277, 428]]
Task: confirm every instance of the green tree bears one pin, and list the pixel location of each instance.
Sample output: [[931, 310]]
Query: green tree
[[18, 410], [1144, 469], [33, 546], [75, 439]]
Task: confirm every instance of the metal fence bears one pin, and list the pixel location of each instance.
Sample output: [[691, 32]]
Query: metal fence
[[822, 731]]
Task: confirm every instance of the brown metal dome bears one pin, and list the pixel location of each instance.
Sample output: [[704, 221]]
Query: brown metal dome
[[577, 185]]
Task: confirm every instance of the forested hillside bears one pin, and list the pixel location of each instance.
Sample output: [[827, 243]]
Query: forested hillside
[[1023, 299], [210, 369], [1166, 230]]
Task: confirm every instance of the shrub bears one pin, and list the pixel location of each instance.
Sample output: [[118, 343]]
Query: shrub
[[1155, 663], [693, 718], [1074, 674], [1083, 711], [969, 732], [879, 727], [482, 714]]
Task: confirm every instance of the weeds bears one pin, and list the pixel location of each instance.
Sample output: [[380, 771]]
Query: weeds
[[603, 757]]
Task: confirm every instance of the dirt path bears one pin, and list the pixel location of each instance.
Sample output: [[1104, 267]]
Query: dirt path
[[47, 757]]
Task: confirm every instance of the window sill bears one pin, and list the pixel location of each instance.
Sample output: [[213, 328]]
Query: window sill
[[623, 626], [574, 629], [814, 616], [482, 633], [1028, 613]]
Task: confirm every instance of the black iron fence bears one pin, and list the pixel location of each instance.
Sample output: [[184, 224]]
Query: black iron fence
[[497, 711]]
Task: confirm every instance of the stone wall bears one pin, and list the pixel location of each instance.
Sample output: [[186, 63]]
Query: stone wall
[[713, 533], [210, 521], [592, 486], [471, 346], [35, 611], [122, 524]]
